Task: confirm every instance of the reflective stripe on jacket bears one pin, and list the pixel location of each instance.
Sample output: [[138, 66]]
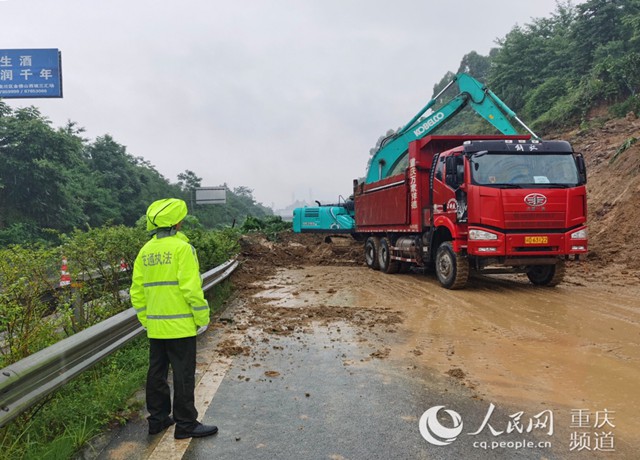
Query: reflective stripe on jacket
[[166, 290]]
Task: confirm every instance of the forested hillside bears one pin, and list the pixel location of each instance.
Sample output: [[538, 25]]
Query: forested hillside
[[53, 180], [575, 76], [559, 71]]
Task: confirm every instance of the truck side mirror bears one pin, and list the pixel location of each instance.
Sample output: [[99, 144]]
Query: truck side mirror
[[582, 169], [453, 176]]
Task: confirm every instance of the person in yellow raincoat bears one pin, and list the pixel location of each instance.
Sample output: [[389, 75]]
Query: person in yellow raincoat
[[166, 293]]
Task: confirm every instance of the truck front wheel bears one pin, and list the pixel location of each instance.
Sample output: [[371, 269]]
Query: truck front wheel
[[387, 264], [452, 269], [371, 251], [546, 275]]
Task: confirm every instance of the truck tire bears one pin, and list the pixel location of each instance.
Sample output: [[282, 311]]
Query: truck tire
[[452, 269], [546, 275], [387, 265], [371, 252]]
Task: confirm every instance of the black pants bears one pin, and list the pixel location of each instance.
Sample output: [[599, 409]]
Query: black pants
[[181, 355]]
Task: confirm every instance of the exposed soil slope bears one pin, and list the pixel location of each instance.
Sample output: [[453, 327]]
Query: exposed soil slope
[[613, 190]]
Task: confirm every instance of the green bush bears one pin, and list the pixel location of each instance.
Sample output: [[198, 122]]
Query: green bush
[[564, 112], [631, 104], [543, 97], [271, 226], [18, 233], [26, 281], [95, 261], [214, 247]]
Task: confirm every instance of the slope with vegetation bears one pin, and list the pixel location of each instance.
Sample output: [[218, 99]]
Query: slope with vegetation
[[556, 71]]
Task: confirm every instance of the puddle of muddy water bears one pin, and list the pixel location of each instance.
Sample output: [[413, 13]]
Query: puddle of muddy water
[[569, 348]]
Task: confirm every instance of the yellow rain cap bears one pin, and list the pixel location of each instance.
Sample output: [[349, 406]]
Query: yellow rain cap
[[165, 213]]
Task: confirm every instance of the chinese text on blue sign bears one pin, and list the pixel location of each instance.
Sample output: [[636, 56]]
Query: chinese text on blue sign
[[30, 73]]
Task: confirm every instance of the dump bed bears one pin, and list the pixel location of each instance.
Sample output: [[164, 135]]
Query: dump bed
[[402, 202]]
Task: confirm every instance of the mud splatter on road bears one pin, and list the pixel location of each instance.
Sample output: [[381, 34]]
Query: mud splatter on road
[[575, 346]]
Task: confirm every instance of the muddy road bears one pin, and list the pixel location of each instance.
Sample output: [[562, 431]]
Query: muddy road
[[573, 349], [318, 356]]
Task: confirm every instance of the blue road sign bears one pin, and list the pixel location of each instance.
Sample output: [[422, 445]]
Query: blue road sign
[[28, 73]]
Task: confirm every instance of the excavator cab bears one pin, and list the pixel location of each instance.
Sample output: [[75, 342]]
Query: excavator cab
[[330, 218]]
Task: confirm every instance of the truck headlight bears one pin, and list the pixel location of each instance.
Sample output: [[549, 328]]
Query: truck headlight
[[475, 234], [579, 235]]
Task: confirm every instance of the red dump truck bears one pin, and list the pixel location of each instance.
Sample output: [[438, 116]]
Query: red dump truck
[[491, 203], [497, 204]]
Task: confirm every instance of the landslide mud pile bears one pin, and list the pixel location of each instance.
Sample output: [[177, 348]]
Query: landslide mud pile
[[285, 294], [612, 153], [302, 249], [260, 257]]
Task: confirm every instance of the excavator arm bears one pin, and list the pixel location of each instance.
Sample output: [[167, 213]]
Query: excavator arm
[[393, 149]]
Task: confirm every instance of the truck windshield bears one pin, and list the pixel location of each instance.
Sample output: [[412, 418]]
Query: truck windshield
[[542, 169]]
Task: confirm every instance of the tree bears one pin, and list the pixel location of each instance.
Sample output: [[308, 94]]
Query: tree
[[55, 179], [476, 65], [188, 181], [531, 54], [36, 170], [597, 23]]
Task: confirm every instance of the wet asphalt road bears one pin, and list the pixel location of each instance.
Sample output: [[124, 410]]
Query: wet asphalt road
[[319, 408]]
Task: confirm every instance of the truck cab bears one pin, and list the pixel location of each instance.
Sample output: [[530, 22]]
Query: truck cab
[[513, 203]]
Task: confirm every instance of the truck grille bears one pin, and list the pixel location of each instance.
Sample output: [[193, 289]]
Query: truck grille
[[536, 249], [522, 220]]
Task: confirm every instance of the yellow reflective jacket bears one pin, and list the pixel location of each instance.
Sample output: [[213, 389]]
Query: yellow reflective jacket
[[166, 290]]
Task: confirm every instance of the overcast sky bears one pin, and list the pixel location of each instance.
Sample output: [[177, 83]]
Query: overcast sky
[[285, 97]]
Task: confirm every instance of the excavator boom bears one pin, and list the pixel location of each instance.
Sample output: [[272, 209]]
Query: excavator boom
[[394, 148]]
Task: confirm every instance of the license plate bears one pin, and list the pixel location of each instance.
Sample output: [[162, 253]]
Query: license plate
[[536, 239]]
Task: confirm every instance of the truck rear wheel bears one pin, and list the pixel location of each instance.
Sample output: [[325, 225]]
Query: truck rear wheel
[[371, 252], [452, 269], [546, 275], [387, 264]]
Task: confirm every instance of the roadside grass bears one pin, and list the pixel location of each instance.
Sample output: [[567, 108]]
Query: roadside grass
[[218, 295], [80, 410]]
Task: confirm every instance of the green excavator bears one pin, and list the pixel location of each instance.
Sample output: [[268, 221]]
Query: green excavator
[[391, 154]]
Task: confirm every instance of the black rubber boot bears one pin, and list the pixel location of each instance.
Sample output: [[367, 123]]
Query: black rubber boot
[[199, 431]]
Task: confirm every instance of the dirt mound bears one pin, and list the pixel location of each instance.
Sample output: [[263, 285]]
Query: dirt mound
[[302, 249], [612, 154], [260, 257], [287, 320]]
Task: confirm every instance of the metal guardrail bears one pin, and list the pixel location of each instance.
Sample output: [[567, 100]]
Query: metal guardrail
[[29, 380]]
